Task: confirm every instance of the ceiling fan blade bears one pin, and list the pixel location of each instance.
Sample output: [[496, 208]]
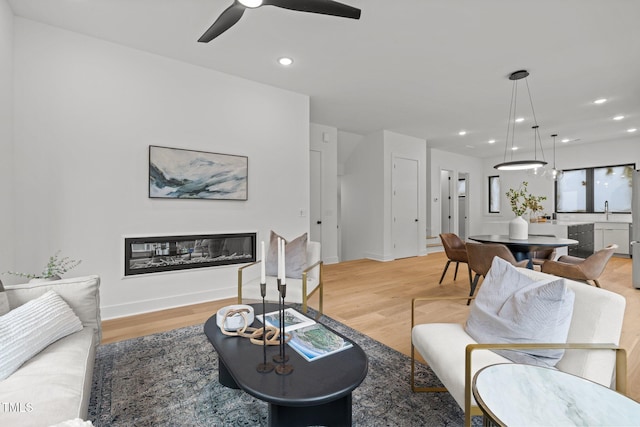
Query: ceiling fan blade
[[326, 7], [226, 20]]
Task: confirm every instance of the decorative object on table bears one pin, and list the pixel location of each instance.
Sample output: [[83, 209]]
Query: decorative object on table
[[292, 319], [54, 269], [520, 202], [233, 318], [235, 321], [176, 173], [282, 358], [511, 127], [315, 342], [264, 367], [233, 13]]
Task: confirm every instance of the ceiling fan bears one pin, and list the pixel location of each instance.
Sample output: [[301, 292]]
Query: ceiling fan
[[233, 13]]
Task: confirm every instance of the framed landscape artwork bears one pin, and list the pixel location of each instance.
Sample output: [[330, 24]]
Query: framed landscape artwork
[[176, 173]]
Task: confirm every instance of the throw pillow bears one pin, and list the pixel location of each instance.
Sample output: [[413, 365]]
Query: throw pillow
[[295, 256], [28, 329], [513, 308]]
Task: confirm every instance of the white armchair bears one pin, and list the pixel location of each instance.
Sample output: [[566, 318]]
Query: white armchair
[[592, 350], [298, 290]]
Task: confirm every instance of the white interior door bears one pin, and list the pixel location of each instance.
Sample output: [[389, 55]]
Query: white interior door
[[315, 216], [463, 199], [446, 205], [405, 207]]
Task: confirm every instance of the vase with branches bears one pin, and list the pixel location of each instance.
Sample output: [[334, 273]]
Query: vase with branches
[[54, 269]]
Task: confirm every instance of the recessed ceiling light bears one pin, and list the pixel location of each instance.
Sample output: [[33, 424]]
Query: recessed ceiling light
[[492, 141], [566, 140], [514, 148], [520, 119], [632, 130], [285, 61], [618, 118], [600, 101], [462, 133]]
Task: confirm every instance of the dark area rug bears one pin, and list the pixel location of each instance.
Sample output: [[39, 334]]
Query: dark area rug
[[171, 379]]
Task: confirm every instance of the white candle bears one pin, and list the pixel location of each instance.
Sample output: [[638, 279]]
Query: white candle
[[279, 260], [263, 278], [284, 264]]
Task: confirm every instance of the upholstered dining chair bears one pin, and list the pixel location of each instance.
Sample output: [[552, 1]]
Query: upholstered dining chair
[[583, 269], [456, 252], [539, 256], [481, 256]]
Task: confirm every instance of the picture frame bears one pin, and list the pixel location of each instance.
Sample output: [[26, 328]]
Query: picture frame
[[177, 173]]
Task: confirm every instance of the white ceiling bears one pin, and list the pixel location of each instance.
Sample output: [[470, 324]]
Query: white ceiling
[[425, 68]]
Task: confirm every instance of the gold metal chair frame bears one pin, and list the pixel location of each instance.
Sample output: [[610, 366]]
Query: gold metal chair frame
[[305, 297], [471, 410]]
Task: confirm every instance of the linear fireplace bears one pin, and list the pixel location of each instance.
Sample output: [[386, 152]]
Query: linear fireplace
[[144, 255]]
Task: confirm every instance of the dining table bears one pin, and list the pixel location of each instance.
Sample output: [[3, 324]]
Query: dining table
[[524, 248]]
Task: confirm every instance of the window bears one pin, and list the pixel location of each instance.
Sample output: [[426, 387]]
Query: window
[[571, 194], [587, 190], [612, 185], [494, 194]]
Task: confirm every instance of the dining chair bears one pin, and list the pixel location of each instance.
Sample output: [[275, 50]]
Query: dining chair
[[456, 252], [584, 269], [481, 256], [538, 257]]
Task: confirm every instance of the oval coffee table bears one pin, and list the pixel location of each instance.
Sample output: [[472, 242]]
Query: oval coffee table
[[315, 393]]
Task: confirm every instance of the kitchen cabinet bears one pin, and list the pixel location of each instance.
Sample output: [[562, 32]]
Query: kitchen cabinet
[[606, 233], [584, 234]]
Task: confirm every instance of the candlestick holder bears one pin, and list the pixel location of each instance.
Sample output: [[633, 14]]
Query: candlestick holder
[[282, 368], [264, 367]]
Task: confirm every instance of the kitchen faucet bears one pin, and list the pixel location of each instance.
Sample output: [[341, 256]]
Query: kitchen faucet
[[606, 210]]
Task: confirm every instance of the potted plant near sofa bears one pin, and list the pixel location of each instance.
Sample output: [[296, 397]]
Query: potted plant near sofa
[[54, 269]]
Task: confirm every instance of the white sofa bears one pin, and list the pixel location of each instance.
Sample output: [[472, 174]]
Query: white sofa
[[455, 357], [54, 386]]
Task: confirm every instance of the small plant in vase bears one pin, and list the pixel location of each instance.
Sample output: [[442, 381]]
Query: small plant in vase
[[55, 268], [533, 202], [521, 201]]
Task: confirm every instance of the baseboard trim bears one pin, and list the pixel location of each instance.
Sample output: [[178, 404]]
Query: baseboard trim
[[157, 304]]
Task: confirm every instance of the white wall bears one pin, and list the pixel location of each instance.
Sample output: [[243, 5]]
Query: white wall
[[6, 141], [86, 111], [366, 208], [363, 200], [457, 163], [325, 140], [570, 156]]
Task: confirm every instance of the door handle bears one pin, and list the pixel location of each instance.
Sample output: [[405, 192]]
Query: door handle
[[318, 222]]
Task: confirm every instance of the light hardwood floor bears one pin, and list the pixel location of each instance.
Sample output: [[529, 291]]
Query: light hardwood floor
[[375, 298]]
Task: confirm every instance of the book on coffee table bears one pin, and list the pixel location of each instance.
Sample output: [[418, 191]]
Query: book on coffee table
[[292, 319], [316, 341]]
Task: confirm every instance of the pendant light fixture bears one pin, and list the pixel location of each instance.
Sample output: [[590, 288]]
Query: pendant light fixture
[[511, 127], [555, 173]]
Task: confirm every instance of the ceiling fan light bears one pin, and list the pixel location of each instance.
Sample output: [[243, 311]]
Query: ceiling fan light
[[251, 4]]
